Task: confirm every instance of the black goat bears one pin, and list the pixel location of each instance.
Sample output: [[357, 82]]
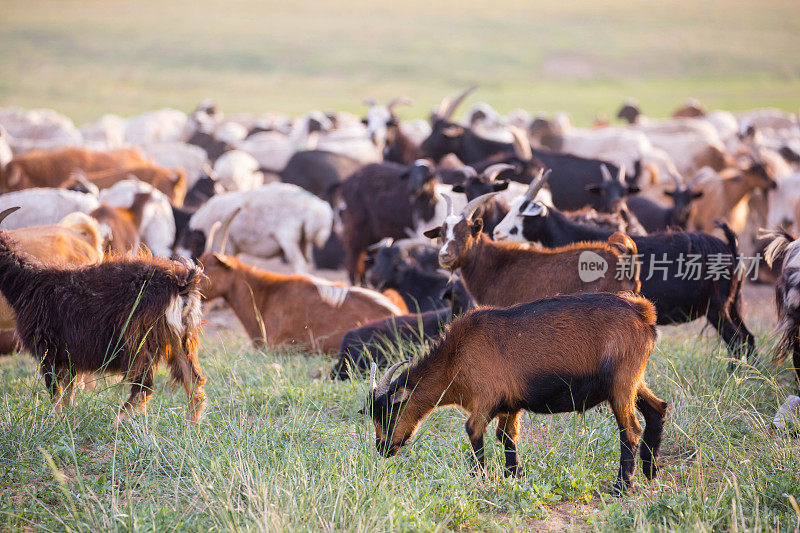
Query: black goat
[[655, 217]]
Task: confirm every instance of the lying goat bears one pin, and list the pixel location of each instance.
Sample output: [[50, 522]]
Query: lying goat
[[122, 316], [561, 354]]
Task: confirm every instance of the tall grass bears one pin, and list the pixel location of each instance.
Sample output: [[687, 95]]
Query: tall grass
[[280, 449]]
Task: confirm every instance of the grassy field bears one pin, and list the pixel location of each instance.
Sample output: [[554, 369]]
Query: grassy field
[[90, 57], [283, 449]]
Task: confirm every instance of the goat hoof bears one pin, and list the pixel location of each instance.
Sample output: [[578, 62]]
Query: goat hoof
[[618, 488], [650, 470], [513, 472]]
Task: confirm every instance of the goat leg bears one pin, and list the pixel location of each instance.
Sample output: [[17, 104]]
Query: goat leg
[[476, 427], [507, 434]]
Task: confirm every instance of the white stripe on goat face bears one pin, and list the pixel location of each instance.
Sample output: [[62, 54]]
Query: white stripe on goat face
[[449, 236], [510, 227], [377, 118]]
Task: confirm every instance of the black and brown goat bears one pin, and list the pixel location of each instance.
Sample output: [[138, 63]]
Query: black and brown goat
[[785, 246], [122, 315], [555, 355], [503, 274]]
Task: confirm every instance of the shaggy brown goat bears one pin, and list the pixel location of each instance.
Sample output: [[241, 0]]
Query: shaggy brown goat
[[503, 274], [555, 355], [122, 316]]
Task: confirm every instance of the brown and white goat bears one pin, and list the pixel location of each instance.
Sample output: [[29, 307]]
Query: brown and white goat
[[785, 246], [555, 355], [123, 316], [123, 223], [289, 310], [501, 274]]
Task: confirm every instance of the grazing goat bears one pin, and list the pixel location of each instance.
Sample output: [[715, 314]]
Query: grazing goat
[[785, 246], [503, 274], [555, 355], [50, 168], [676, 268], [122, 316], [370, 342], [294, 310]]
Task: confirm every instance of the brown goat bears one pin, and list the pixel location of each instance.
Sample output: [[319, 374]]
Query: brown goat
[[170, 181], [123, 223], [294, 310], [502, 274], [50, 168], [123, 316], [555, 355]]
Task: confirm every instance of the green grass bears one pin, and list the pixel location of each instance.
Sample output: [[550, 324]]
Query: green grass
[[90, 57], [280, 449]]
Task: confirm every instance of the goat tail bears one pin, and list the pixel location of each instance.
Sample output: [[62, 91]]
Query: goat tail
[[623, 243], [643, 307]]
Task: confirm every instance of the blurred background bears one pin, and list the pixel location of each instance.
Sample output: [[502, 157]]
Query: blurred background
[[85, 58]]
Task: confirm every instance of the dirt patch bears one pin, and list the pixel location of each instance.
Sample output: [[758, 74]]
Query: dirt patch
[[562, 516]]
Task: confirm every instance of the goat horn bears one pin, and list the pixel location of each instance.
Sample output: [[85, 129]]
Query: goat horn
[[373, 371], [449, 203], [522, 145], [606, 174], [621, 174], [208, 170], [537, 184], [387, 377], [493, 171], [7, 212], [383, 243], [455, 103], [443, 105], [212, 233], [227, 230], [399, 101], [473, 205]]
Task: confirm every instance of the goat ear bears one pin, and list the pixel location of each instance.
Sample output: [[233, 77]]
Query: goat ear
[[594, 188], [224, 260], [500, 186], [400, 395], [453, 131], [433, 232], [534, 209], [476, 227], [364, 121], [459, 188], [671, 194], [634, 189], [697, 194]]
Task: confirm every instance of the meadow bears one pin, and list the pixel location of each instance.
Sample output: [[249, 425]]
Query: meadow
[[284, 448]]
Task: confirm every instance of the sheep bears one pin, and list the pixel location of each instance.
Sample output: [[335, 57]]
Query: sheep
[[294, 310], [122, 316], [502, 274], [560, 354], [369, 343], [50, 168], [275, 219], [157, 228], [45, 206], [236, 170]]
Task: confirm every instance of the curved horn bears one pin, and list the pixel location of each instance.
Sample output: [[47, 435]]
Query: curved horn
[[227, 230], [606, 174], [449, 202], [621, 174], [443, 105], [383, 385], [383, 243], [493, 171], [212, 233], [537, 184], [402, 100], [455, 103], [522, 145], [473, 205], [373, 371], [7, 212]]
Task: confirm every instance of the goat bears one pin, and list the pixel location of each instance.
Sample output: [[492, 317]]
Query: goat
[[656, 217], [43, 206], [555, 355], [170, 181], [502, 274], [236, 170], [120, 316], [785, 246], [50, 168], [318, 172], [123, 224], [386, 133], [369, 343], [676, 268], [294, 310]]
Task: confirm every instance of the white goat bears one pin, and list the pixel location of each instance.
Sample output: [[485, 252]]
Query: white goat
[[40, 207], [236, 170]]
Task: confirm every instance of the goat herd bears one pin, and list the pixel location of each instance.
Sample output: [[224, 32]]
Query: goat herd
[[574, 243]]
